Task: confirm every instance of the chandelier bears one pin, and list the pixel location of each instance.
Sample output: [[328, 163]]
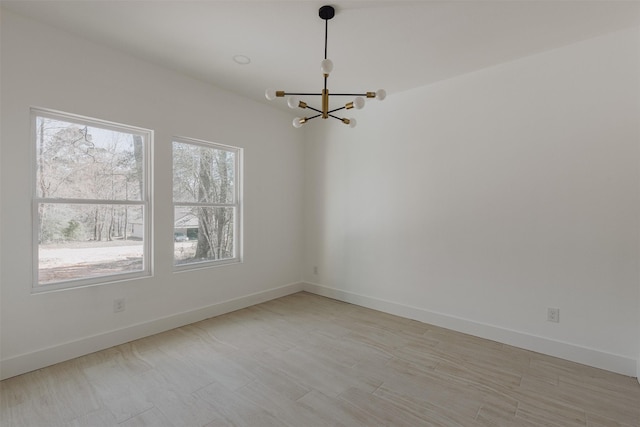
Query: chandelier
[[326, 66]]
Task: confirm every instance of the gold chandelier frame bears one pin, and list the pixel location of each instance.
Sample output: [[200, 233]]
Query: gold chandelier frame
[[326, 13]]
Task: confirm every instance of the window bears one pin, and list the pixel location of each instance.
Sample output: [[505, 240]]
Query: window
[[91, 201], [206, 203]]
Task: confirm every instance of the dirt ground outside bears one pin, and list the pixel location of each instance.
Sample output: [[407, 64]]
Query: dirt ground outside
[[76, 260]]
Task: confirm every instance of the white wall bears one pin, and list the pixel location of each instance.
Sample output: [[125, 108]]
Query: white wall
[[47, 68], [477, 202], [474, 203]]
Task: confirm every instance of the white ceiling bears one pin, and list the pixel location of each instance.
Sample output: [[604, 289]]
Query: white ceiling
[[396, 45]]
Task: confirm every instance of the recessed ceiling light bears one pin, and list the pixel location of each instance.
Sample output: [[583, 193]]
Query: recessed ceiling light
[[242, 59]]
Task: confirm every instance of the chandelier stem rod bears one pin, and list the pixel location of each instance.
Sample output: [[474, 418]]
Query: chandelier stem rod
[[326, 32], [325, 100]]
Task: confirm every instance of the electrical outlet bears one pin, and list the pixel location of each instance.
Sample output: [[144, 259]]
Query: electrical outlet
[[315, 270], [118, 305], [553, 315]]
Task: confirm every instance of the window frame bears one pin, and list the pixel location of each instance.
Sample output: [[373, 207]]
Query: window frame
[[145, 201], [237, 206]]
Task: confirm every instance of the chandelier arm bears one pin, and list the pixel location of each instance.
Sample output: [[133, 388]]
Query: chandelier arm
[[313, 117], [302, 94], [314, 109], [337, 109], [349, 94], [350, 122]]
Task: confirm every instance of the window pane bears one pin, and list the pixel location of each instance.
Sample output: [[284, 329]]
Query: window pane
[[203, 234], [203, 174], [78, 241], [84, 162]]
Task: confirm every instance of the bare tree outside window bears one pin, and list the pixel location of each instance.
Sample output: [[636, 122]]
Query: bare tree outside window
[[206, 202], [90, 198]]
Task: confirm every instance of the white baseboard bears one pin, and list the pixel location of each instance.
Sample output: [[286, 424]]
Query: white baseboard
[[45, 357], [49, 356], [587, 356]]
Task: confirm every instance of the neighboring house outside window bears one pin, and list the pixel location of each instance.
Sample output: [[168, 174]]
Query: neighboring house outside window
[[91, 205], [207, 203]]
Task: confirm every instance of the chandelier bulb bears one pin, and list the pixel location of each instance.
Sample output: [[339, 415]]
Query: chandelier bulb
[[298, 122], [381, 94], [326, 66], [358, 103], [351, 122], [270, 94], [293, 102]]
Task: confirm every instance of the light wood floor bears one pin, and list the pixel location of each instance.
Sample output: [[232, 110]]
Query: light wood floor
[[304, 361]]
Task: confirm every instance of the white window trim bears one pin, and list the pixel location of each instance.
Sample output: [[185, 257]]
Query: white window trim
[[145, 203], [238, 205]]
